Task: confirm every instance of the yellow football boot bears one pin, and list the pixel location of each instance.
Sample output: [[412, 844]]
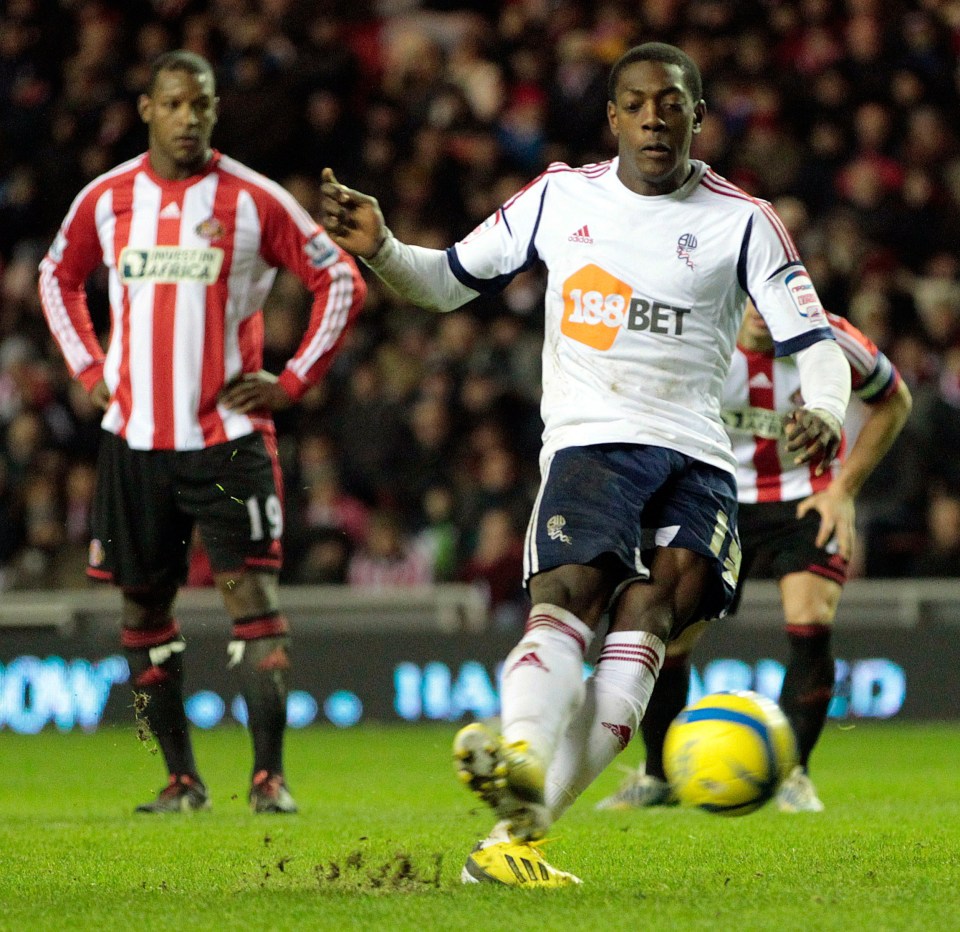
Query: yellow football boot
[[514, 864], [509, 778]]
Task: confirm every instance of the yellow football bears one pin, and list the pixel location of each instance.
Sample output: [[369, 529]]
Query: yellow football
[[729, 752]]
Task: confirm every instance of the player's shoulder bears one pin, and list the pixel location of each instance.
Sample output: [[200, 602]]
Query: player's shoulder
[[266, 192], [724, 193], [111, 178], [245, 176], [560, 176], [848, 335], [562, 173], [861, 352]]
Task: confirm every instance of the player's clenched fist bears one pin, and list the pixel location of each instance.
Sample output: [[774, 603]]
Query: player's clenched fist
[[814, 436], [352, 219]]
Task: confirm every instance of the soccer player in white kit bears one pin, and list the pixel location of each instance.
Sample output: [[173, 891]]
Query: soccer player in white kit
[[796, 526], [650, 259]]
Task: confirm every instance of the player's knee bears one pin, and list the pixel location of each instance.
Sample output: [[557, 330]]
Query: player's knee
[[260, 643], [153, 653], [248, 593], [813, 614], [145, 609], [577, 589]]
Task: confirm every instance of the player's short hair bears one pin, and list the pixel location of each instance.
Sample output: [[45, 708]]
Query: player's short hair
[[660, 52], [179, 60]]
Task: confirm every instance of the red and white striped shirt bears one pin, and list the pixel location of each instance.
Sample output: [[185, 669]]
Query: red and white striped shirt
[[760, 389], [190, 263]]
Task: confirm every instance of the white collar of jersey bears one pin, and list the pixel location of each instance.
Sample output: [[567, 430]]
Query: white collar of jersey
[[697, 170]]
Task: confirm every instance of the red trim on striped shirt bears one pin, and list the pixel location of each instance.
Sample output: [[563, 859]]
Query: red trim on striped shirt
[[140, 638], [213, 362], [164, 325], [766, 456], [122, 206], [548, 621], [819, 483], [266, 627]]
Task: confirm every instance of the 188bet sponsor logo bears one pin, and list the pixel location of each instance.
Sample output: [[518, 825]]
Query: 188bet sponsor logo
[[598, 306]]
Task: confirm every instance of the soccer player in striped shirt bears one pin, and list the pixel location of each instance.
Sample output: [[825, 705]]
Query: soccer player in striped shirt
[[650, 258], [192, 241], [796, 526]]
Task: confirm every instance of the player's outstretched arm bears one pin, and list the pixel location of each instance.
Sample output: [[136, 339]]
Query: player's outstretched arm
[[353, 220], [814, 432], [420, 275]]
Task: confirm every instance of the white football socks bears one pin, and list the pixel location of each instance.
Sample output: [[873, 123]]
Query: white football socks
[[542, 679], [616, 697]]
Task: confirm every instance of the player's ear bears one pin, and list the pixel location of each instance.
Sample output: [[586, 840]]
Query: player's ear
[[145, 107], [612, 118], [699, 112]]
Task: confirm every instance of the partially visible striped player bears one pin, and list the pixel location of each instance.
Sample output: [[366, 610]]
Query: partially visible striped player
[[796, 526], [650, 258], [192, 241]]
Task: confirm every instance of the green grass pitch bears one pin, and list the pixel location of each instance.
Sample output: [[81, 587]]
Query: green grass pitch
[[384, 829]]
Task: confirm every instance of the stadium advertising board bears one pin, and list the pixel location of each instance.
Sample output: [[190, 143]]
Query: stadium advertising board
[[78, 680]]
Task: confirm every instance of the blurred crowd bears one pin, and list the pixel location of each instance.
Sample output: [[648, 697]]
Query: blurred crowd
[[416, 460]]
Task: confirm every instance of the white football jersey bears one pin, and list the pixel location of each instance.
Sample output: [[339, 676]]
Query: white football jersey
[[644, 300], [761, 389]]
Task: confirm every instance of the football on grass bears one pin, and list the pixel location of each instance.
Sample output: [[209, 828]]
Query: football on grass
[[729, 752]]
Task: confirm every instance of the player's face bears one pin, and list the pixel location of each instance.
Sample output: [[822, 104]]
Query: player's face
[[180, 112], [653, 119]]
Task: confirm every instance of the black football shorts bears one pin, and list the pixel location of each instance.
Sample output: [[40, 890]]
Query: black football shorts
[[148, 502], [776, 543]]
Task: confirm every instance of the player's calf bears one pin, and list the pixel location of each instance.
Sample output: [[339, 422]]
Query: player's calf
[[259, 652]]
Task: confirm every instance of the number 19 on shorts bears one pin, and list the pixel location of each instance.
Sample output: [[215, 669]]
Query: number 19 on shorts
[[266, 518]]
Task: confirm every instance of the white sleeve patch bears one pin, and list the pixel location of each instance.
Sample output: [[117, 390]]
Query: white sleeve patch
[[804, 296], [321, 250]]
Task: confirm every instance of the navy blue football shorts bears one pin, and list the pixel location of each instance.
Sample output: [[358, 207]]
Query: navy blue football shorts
[[628, 499], [148, 501]]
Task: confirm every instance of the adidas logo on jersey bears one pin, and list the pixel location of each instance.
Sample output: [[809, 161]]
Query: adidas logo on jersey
[[581, 236], [761, 380], [170, 212]]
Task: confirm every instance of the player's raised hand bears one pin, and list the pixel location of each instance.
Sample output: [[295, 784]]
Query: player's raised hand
[[352, 219], [813, 435]]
